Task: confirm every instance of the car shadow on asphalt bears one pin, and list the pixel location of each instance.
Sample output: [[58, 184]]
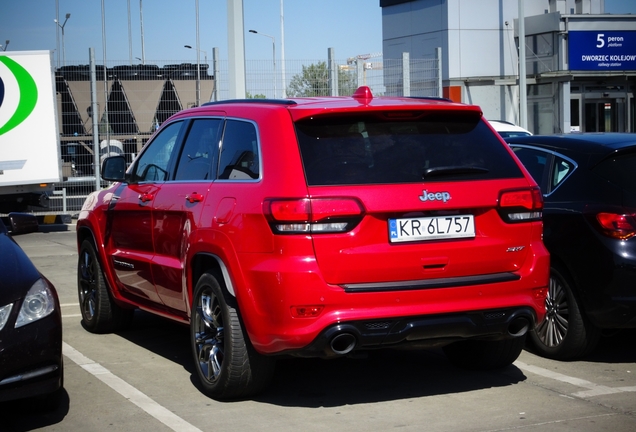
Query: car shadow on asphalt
[[380, 375], [383, 375], [34, 413], [615, 346]]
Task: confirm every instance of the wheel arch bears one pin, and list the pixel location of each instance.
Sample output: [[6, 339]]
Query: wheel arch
[[203, 262], [85, 233], [576, 285]]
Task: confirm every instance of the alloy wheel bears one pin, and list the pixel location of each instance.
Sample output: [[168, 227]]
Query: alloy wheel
[[209, 336], [554, 329], [87, 285]]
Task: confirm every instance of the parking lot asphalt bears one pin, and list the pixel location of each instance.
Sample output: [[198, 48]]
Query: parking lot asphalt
[[143, 379]]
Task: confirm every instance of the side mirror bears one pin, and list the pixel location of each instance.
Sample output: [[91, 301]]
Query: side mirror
[[114, 168], [22, 223]]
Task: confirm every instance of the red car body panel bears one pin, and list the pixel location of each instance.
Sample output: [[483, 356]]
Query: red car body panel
[[154, 237]]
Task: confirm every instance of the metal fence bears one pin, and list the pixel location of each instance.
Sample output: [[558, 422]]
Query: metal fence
[[133, 100]]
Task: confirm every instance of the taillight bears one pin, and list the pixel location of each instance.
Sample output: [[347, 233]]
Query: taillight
[[312, 215], [617, 225], [521, 205]]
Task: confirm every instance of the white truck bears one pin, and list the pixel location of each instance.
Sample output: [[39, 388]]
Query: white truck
[[30, 159]]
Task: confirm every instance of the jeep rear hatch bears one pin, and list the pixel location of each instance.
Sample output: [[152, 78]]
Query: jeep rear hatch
[[411, 196]]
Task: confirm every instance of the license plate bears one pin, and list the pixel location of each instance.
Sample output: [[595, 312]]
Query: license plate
[[431, 228]]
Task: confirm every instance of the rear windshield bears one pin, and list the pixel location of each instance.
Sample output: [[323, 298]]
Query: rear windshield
[[414, 148]]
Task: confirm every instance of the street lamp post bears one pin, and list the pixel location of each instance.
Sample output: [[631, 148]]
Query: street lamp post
[[68, 15], [273, 54], [6, 44], [205, 54]]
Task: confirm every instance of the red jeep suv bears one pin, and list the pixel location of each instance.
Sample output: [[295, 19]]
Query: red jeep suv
[[316, 227]]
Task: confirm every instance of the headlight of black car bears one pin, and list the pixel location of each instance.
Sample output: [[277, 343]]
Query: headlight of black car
[[38, 303]]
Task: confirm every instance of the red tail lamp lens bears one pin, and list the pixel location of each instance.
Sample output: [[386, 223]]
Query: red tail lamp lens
[[530, 199], [617, 225], [297, 210]]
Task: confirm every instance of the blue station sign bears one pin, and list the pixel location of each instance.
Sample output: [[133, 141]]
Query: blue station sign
[[602, 50]]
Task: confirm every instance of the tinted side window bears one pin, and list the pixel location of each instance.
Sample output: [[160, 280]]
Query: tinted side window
[[535, 162], [619, 170], [376, 149], [200, 151], [239, 151], [562, 169], [153, 164]]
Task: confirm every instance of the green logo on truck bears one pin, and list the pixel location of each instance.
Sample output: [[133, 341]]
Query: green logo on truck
[[28, 94]]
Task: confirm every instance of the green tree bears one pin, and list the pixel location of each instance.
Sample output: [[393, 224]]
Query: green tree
[[314, 81], [249, 95]]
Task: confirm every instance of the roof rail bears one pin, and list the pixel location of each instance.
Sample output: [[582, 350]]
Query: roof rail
[[433, 98], [255, 101]]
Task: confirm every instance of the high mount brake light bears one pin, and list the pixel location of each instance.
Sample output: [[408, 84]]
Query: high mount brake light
[[617, 225], [312, 215], [521, 205]]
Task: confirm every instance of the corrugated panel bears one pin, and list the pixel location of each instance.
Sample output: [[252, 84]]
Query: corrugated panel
[[81, 93], [143, 99], [187, 93]]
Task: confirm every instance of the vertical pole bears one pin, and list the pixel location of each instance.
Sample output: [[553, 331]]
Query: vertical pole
[[130, 53], [333, 72], [523, 103], [282, 52], [438, 58], [215, 68], [94, 118], [198, 57], [406, 75], [236, 49], [57, 31], [63, 49], [141, 24], [274, 60], [105, 79]]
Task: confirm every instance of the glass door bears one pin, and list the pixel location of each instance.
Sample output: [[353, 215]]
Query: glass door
[[604, 115]]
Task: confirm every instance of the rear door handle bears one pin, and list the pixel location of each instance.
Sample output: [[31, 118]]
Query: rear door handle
[[145, 197], [194, 197]]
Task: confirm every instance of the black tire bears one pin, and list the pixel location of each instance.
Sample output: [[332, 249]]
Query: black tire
[[227, 365], [565, 333], [484, 355], [100, 314]]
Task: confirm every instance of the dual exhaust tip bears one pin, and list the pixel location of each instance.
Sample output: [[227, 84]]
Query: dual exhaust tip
[[343, 342]]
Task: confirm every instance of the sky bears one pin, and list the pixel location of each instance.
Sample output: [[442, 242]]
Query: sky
[[351, 27]]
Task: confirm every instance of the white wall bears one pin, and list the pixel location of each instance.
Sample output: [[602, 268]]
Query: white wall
[[475, 40]]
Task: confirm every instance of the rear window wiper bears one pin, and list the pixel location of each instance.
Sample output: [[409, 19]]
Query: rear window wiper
[[453, 170]]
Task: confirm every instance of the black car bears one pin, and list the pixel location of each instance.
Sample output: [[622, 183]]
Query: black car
[[588, 183], [30, 321]]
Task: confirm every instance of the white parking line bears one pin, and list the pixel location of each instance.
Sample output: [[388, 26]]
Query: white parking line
[[593, 389], [162, 414]]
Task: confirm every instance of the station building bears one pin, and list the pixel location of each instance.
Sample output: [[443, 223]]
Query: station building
[[580, 61]]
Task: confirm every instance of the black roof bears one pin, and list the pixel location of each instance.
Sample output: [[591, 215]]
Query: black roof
[[601, 144]]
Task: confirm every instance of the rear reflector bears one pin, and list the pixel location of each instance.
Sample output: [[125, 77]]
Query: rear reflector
[[306, 311], [617, 225]]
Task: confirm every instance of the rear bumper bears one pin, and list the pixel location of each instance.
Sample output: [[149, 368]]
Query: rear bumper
[[436, 330], [618, 312]]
